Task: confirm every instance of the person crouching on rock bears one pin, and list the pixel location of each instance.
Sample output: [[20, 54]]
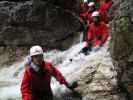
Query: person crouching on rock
[[97, 33]]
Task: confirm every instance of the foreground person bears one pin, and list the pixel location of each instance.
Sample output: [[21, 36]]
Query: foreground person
[[37, 76]]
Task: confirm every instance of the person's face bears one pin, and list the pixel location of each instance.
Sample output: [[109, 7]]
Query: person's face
[[91, 9], [96, 19], [37, 59]]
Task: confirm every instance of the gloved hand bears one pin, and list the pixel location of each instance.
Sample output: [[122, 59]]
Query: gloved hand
[[73, 85], [101, 45], [96, 48], [86, 49]]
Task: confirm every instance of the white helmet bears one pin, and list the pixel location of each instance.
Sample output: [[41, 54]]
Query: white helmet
[[95, 13], [91, 4], [36, 50], [85, 1]]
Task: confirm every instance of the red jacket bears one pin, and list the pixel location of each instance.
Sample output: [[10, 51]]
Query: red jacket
[[103, 8], [84, 16], [33, 82], [84, 7], [104, 17], [84, 10], [89, 18], [97, 35]]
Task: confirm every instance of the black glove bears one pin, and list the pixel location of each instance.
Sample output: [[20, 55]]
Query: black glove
[[73, 85], [87, 49], [101, 45]]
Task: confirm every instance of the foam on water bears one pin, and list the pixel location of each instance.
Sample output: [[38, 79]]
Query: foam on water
[[11, 76]]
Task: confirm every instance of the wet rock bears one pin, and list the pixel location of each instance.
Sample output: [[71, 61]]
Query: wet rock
[[49, 23], [37, 22], [121, 45], [98, 80], [9, 55]]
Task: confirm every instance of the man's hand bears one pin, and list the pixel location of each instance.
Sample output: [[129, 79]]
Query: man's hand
[[73, 85]]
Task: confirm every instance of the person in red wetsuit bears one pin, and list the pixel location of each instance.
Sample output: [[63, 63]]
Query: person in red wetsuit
[[88, 18], [92, 8], [83, 16], [105, 5], [37, 76], [97, 33], [84, 10], [104, 9], [83, 7], [86, 15]]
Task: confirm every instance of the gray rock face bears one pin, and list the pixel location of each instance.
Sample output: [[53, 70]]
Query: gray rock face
[[38, 22], [122, 45], [49, 23], [98, 80]]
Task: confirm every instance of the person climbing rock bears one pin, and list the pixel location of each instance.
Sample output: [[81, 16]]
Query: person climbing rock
[[105, 10], [36, 80], [105, 5], [97, 33]]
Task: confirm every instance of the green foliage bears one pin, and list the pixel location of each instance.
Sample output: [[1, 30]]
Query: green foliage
[[124, 24]]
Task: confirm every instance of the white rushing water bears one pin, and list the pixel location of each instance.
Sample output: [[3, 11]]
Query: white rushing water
[[10, 78]]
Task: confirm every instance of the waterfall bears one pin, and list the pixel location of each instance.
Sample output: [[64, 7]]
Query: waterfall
[[10, 77]]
